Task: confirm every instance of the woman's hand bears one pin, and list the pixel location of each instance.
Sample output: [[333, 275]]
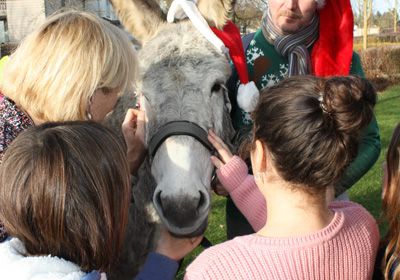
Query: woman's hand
[[222, 149], [176, 248], [225, 155], [133, 129]]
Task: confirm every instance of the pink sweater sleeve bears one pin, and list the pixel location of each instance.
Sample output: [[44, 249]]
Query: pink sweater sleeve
[[244, 192]]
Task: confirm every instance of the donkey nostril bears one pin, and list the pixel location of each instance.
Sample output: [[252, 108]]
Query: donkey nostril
[[202, 205], [201, 201], [158, 199]]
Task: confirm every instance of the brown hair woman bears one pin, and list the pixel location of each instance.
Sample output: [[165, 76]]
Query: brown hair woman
[[388, 256], [306, 132], [64, 195]]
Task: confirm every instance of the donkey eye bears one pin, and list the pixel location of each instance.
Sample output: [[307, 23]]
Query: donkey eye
[[216, 87]]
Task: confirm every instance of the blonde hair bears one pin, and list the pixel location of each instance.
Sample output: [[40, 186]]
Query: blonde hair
[[54, 72]]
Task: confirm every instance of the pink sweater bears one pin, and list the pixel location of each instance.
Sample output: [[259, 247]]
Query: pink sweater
[[242, 188], [345, 249]]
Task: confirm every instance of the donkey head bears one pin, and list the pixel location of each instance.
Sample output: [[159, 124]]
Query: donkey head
[[181, 78]]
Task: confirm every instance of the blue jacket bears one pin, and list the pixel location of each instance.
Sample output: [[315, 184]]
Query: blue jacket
[[158, 267]]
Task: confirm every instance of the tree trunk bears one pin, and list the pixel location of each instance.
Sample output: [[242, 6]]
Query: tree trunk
[[367, 11], [365, 29], [395, 17]]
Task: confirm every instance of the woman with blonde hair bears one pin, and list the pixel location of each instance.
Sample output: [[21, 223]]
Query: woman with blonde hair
[[388, 256], [73, 67]]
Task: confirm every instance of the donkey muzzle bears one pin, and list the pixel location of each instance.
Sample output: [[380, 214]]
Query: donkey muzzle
[[183, 214]]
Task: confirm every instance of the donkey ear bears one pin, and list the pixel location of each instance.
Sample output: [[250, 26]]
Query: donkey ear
[[142, 18], [215, 11]]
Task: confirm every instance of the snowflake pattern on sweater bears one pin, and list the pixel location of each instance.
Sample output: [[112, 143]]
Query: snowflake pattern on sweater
[[253, 53], [276, 71]]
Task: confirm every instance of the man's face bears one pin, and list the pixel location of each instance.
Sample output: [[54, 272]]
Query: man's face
[[289, 16]]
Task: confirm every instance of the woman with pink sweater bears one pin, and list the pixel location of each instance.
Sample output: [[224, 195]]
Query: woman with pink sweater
[[306, 131]]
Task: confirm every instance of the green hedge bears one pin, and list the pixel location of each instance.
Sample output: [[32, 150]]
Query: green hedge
[[382, 65]]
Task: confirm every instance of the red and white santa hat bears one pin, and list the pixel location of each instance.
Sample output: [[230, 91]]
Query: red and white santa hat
[[247, 96]]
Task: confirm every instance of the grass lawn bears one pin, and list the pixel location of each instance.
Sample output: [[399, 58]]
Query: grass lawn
[[366, 192]]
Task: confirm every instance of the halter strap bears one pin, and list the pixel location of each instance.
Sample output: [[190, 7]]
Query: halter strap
[[175, 128]]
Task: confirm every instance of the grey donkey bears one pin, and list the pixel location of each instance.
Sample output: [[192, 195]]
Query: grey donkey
[[181, 77]]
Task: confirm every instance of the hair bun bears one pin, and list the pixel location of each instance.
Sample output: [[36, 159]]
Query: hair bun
[[350, 102]]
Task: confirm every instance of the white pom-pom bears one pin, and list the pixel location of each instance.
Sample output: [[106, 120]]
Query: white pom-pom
[[247, 96]]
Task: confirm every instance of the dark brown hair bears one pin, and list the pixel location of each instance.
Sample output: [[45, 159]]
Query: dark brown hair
[[65, 191], [391, 207], [312, 126]]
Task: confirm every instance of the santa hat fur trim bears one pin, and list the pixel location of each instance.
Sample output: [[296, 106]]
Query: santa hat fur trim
[[247, 96]]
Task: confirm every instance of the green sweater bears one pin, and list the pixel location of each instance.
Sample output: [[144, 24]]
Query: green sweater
[[267, 67]]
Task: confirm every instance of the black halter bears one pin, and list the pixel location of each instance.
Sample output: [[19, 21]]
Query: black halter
[[175, 128]]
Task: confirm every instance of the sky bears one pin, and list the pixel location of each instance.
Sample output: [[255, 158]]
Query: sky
[[383, 5], [380, 5]]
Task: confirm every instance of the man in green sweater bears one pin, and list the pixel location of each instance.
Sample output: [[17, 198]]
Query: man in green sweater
[[301, 37]]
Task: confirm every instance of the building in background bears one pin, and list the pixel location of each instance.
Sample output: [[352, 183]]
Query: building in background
[[19, 17], [102, 8], [3, 21], [358, 32]]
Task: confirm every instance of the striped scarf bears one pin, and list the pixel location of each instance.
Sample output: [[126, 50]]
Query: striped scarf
[[293, 46]]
